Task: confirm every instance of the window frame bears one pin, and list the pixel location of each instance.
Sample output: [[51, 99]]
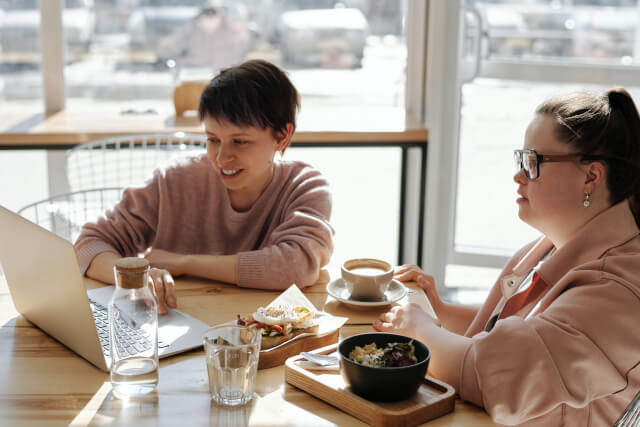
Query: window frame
[[442, 118]]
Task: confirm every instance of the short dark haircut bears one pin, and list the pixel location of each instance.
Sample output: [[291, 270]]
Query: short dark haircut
[[604, 125], [255, 93]]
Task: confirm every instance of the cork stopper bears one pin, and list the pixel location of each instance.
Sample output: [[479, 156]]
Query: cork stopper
[[131, 273]]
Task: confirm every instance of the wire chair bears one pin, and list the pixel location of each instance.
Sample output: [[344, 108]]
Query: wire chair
[[631, 416], [65, 214], [127, 160]]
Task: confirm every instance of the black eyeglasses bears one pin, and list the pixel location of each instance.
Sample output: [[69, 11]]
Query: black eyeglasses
[[529, 160]]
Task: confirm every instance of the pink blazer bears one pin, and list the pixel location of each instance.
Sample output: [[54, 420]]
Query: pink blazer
[[570, 357]]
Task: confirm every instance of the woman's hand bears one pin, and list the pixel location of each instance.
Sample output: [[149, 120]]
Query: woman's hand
[[163, 288], [447, 348], [410, 320], [411, 272], [170, 261]]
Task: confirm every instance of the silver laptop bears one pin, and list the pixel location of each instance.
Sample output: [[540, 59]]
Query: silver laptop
[[47, 288]]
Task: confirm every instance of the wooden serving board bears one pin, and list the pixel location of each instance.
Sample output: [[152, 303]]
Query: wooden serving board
[[433, 399], [272, 357]]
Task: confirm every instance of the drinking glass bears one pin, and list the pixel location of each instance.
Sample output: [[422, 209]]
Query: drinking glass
[[232, 353]]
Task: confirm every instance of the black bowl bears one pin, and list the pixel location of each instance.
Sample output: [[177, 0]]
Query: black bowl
[[382, 384]]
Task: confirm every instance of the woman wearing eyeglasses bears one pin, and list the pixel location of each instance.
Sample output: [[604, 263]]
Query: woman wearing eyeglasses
[[557, 342]]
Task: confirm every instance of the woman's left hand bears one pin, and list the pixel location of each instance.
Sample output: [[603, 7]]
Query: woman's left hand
[[170, 261], [410, 320]]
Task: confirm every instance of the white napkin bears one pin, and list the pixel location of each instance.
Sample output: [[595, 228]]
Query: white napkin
[[294, 297], [310, 366]]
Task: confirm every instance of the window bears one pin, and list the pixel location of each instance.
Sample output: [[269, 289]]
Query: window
[[365, 187], [529, 51], [351, 52], [595, 30], [20, 79], [127, 56]]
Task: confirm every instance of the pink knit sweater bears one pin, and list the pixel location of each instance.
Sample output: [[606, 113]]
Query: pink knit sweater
[[284, 238]]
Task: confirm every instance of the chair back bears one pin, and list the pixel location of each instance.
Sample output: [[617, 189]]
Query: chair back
[[631, 416], [127, 160], [65, 214], [186, 96]]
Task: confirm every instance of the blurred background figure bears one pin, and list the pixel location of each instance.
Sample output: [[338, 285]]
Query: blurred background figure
[[214, 38]]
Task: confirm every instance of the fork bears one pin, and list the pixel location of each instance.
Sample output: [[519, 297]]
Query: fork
[[631, 416], [320, 359]]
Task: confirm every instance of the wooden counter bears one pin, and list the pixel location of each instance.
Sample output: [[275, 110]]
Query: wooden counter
[[43, 383], [320, 125]]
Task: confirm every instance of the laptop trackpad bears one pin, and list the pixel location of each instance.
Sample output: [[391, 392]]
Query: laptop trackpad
[[178, 332], [171, 327]]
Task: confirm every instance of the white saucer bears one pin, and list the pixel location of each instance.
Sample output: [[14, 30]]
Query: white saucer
[[338, 290]]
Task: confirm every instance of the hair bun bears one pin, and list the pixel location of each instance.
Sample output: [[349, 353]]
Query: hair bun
[[618, 97]]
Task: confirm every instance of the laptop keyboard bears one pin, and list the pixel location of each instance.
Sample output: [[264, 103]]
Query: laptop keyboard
[[129, 342]]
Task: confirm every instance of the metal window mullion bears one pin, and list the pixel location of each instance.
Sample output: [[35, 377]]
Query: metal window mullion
[[52, 55], [403, 201], [417, 16], [441, 118], [411, 202]]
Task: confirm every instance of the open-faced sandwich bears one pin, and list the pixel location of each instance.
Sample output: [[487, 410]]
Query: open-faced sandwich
[[280, 323]]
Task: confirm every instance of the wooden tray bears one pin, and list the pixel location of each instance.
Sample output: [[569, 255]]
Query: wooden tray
[[278, 355], [433, 399]]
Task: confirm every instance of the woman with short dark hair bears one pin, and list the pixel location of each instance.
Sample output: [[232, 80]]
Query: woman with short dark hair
[[556, 342], [236, 214]]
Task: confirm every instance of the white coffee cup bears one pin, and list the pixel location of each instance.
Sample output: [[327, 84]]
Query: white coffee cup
[[367, 279]]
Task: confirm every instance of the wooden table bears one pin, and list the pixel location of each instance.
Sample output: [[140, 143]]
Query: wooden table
[[334, 125], [44, 383]]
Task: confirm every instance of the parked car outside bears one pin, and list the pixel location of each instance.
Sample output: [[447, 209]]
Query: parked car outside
[[578, 29], [520, 31], [323, 37], [20, 29]]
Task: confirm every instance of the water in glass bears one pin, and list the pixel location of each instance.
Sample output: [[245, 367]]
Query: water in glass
[[232, 354]]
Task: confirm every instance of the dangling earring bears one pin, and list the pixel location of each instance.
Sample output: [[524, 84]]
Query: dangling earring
[[586, 202]]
